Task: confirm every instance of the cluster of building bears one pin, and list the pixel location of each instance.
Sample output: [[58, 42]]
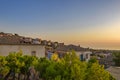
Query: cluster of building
[[37, 47], [105, 57]]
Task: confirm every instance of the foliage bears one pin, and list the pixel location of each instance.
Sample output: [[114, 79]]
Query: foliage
[[97, 72], [67, 68], [15, 61], [3, 68], [116, 58], [55, 57]]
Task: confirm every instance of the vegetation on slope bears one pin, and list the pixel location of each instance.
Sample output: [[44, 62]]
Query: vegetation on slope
[[116, 58], [66, 68]]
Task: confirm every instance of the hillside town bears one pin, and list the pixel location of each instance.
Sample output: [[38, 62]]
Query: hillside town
[[46, 48], [50, 47]]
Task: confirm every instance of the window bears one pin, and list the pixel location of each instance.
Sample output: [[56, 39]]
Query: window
[[81, 57], [33, 53], [86, 56]]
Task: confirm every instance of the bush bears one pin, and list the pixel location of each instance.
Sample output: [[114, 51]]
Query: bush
[[67, 68], [116, 58]]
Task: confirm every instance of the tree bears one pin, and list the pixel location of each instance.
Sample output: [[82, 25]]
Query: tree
[[76, 68], [55, 57], [67, 68], [29, 61], [3, 68], [43, 63], [15, 63], [116, 58], [97, 72]]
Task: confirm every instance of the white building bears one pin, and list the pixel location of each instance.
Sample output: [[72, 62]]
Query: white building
[[29, 49], [83, 55]]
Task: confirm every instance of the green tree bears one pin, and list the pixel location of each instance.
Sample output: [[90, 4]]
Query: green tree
[[67, 68], [96, 71], [43, 63], [29, 61], [116, 58], [15, 62], [3, 68]]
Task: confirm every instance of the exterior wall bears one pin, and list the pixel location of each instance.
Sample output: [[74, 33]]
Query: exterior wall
[[86, 55], [27, 49], [49, 54]]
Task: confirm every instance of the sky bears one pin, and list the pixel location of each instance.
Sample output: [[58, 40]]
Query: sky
[[89, 23]]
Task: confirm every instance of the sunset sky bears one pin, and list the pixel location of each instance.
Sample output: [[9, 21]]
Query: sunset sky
[[90, 23]]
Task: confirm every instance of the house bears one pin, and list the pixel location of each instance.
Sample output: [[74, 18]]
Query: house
[[27, 49], [49, 54], [36, 41], [49, 43], [9, 34], [84, 55], [26, 40], [44, 42], [54, 45], [5, 34], [60, 44]]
